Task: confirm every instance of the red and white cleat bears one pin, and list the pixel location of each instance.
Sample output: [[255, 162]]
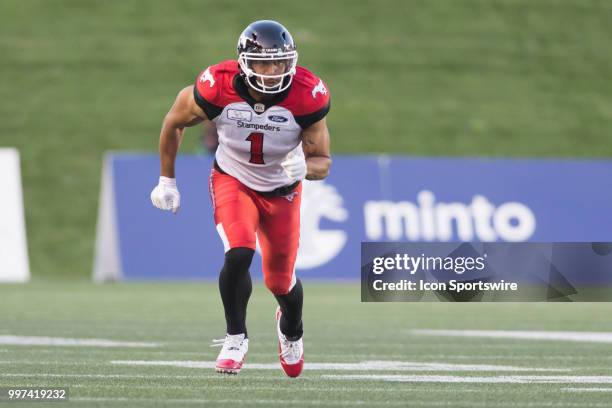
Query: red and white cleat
[[233, 352], [291, 353]]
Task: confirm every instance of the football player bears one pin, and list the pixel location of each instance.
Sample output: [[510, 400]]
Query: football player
[[270, 117]]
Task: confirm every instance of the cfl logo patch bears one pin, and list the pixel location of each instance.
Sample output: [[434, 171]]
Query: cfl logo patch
[[289, 197]]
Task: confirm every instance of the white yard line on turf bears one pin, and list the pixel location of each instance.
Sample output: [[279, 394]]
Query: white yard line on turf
[[354, 356], [250, 401], [329, 387], [511, 379], [576, 389], [50, 362], [411, 402], [116, 376], [362, 366], [61, 341], [519, 357], [588, 337]]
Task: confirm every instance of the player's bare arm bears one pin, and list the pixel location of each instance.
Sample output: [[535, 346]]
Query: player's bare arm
[[184, 113], [315, 143]]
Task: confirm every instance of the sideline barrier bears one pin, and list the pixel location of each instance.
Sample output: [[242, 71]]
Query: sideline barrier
[[366, 198], [14, 263]]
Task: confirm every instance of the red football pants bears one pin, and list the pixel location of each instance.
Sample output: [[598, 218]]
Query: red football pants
[[241, 214]]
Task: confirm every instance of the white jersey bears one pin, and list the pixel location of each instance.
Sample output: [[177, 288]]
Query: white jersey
[[255, 137]]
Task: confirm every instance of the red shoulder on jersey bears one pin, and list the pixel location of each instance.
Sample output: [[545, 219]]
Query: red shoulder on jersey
[[308, 98], [308, 93], [213, 88]]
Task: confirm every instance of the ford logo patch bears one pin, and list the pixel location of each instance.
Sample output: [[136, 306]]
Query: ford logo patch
[[277, 118]]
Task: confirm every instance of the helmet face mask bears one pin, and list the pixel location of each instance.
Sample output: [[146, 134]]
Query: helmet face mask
[[267, 57], [283, 68]]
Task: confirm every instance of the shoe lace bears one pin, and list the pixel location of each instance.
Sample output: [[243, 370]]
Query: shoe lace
[[229, 342], [289, 350], [217, 342]]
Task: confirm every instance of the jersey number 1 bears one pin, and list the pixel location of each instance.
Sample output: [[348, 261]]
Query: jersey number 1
[[256, 140]]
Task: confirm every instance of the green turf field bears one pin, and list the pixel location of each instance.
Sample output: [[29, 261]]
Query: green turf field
[[182, 319], [449, 77]]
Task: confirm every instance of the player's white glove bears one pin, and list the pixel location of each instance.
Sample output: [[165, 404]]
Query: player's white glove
[[294, 166], [165, 195]]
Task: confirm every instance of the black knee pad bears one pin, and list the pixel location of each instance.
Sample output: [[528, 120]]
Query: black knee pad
[[238, 260]]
